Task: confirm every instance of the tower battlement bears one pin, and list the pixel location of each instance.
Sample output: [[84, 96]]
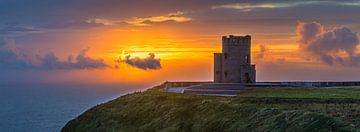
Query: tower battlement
[[236, 40]]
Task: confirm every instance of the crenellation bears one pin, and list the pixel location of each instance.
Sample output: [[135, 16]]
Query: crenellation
[[236, 40]]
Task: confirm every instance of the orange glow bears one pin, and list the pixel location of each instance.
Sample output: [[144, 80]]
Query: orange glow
[[183, 56]]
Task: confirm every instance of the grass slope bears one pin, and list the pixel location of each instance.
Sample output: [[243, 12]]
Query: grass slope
[[260, 109]]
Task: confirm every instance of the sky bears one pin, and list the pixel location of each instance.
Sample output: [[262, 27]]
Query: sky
[[146, 42]]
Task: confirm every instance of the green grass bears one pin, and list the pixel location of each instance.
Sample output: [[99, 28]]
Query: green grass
[[259, 109], [299, 92]]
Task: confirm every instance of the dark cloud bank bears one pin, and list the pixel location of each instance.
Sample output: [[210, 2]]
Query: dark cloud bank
[[148, 63], [82, 61], [337, 46], [12, 56]]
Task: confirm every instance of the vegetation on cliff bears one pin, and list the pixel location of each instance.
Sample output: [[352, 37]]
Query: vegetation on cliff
[[259, 109]]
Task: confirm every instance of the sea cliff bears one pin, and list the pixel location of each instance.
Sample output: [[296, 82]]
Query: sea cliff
[[257, 109]]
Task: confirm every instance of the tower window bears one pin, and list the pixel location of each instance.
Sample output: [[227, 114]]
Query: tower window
[[247, 60], [225, 73], [217, 72], [225, 55]]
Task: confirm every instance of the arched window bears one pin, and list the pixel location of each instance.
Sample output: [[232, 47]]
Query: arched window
[[247, 60]]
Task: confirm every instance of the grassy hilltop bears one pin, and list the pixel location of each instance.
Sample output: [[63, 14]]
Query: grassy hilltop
[[260, 109]]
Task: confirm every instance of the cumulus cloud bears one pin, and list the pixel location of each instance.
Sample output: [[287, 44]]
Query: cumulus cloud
[[148, 63], [335, 46], [82, 61], [13, 56]]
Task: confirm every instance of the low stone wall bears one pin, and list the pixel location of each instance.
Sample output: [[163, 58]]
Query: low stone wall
[[317, 84], [305, 84], [233, 89]]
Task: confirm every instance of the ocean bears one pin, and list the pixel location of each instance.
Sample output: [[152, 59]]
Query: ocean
[[47, 108]]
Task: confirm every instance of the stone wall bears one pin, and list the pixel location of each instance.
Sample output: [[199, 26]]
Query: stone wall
[[317, 84], [269, 84], [218, 67]]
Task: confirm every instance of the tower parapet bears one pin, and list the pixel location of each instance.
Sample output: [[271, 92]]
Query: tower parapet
[[236, 40]]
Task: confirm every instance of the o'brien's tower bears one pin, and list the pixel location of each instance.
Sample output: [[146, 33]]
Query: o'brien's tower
[[233, 65]]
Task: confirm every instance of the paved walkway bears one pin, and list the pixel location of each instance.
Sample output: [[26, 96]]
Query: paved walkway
[[213, 89]]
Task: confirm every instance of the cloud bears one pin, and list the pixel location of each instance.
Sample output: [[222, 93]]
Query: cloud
[[144, 21], [262, 52], [13, 56], [266, 57], [79, 24], [16, 29], [335, 46], [82, 61], [176, 17], [148, 63], [282, 4], [106, 22]]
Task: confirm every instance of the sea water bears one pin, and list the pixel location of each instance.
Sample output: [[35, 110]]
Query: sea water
[[47, 108]]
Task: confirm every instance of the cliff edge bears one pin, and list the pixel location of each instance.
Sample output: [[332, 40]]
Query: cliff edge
[[258, 109]]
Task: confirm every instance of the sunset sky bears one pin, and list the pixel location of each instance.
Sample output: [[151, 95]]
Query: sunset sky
[[143, 42]]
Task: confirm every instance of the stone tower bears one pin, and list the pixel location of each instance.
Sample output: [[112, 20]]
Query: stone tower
[[233, 65]]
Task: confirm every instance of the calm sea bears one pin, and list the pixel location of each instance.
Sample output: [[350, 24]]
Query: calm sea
[[25, 108]]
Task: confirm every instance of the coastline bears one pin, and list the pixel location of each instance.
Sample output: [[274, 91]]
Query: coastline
[[254, 110]]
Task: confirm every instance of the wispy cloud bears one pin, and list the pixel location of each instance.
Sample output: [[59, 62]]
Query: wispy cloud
[[16, 29], [76, 24], [263, 50], [272, 5], [176, 17], [106, 22], [143, 21]]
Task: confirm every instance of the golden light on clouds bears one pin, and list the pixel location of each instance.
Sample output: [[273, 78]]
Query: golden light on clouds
[[182, 34], [177, 17], [143, 21], [182, 52], [106, 22]]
